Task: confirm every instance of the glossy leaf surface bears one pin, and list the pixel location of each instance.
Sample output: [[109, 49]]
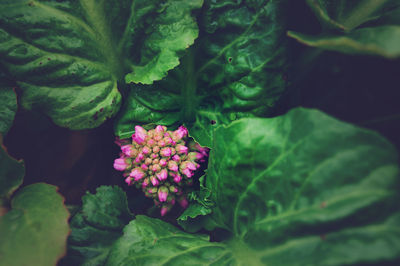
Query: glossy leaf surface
[[35, 230], [97, 226], [235, 69], [68, 56]]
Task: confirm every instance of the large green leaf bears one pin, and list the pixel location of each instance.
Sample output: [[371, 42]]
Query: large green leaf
[[306, 189], [97, 226], [148, 241], [347, 15], [35, 230], [235, 69], [67, 56], [382, 39], [11, 173], [8, 105]]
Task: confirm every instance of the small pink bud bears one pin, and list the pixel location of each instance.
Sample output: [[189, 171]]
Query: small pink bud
[[144, 166], [203, 150], [163, 162], [180, 133], [187, 172], [168, 140], [162, 175], [146, 150], [182, 149], [176, 158], [161, 143], [139, 158], [140, 135], [173, 166], [160, 129], [146, 182], [173, 189], [195, 156], [164, 210], [155, 168], [137, 174], [148, 161], [191, 166], [183, 202], [128, 180], [153, 155], [156, 161], [177, 178], [156, 149], [162, 194], [151, 142], [129, 150], [166, 152], [120, 164], [154, 181]]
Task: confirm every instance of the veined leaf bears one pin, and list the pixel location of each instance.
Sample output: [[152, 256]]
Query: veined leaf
[[234, 70], [97, 226], [149, 241], [381, 39], [8, 105], [12, 173], [35, 230], [68, 56]]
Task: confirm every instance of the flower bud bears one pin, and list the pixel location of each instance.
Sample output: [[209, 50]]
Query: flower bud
[[154, 181], [162, 175], [176, 158], [156, 149], [128, 180], [160, 129], [140, 135], [153, 155], [177, 178], [187, 172], [139, 158], [164, 210], [180, 133], [181, 149], [163, 162], [144, 166], [148, 161], [173, 166], [166, 152], [192, 156], [161, 143], [122, 164], [162, 194], [146, 150], [183, 202], [137, 174], [155, 167], [129, 150], [150, 142], [146, 182]]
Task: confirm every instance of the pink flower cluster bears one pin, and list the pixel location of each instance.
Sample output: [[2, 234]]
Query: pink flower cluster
[[161, 163]]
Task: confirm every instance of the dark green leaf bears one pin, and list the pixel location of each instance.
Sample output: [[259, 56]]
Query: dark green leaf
[[308, 186], [383, 41], [8, 105], [12, 173], [234, 70], [347, 15], [35, 230], [353, 17], [67, 56], [97, 226], [149, 241]]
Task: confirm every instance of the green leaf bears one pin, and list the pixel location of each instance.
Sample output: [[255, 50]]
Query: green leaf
[[367, 24], [307, 189], [347, 15], [149, 241], [8, 105], [12, 173], [97, 226], [68, 56], [35, 230], [234, 70], [383, 41]]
